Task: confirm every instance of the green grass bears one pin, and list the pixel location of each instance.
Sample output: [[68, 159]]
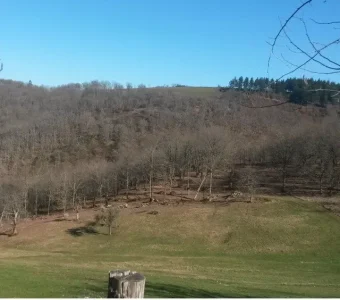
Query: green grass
[[282, 248], [192, 91]]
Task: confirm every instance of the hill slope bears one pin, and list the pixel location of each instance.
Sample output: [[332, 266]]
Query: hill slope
[[279, 247]]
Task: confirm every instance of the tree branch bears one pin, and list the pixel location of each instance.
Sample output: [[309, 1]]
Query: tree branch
[[307, 70], [326, 23], [308, 55], [310, 59], [283, 27], [312, 44]]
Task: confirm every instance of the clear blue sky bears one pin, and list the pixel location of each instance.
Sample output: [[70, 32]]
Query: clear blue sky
[[154, 42]]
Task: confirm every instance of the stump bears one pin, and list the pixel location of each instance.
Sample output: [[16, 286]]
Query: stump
[[126, 284]]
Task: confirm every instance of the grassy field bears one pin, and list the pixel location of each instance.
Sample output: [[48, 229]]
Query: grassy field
[[192, 91], [282, 247]]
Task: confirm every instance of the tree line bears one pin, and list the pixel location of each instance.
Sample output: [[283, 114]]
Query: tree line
[[298, 90]]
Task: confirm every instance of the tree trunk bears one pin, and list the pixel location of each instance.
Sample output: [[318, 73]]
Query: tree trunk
[[77, 212], [15, 222], [151, 176], [150, 186], [116, 185], [170, 184], [110, 230], [25, 203], [320, 185], [211, 182], [74, 195], [188, 187], [36, 203], [284, 181], [126, 284], [127, 184], [164, 189], [2, 216], [101, 186], [65, 203], [199, 188], [49, 204]]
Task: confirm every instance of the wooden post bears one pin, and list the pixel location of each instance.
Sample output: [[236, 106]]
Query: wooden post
[[126, 284]]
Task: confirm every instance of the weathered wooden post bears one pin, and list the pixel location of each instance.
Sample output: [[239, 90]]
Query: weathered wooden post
[[126, 284]]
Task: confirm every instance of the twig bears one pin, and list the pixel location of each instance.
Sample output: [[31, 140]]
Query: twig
[[325, 23], [283, 27], [308, 55], [287, 21], [312, 44], [307, 70], [310, 59], [337, 92]]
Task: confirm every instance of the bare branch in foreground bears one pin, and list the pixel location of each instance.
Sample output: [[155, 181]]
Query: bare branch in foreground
[[326, 23]]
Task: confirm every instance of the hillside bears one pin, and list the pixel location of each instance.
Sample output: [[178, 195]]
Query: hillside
[[272, 247], [61, 147]]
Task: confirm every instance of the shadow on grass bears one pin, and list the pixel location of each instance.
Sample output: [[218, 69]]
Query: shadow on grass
[[141, 212], [61, 219], [8, 233], [98, 288], [82, 230], [158, 290]]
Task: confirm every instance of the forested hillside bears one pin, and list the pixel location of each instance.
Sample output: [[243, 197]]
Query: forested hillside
[[63, 146], [297, 90]]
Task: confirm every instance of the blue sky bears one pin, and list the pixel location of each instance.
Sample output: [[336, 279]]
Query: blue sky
[[155, 42]]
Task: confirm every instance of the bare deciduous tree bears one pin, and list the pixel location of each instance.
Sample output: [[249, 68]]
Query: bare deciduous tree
[[108, 217]]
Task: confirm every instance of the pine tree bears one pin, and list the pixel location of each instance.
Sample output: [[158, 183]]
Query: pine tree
[[233, 83], [246, 83], [240, 83], [251, 84]]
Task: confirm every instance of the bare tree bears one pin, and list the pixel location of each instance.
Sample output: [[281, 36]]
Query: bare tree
[[249, 182], [76, 181], [109, 217], [283, 153], [14, 202], [217, 146]]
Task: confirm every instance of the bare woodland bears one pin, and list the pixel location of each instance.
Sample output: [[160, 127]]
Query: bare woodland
[[72, 146]]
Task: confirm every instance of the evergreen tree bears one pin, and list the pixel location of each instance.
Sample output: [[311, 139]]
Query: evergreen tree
[[246, 83], [297, 90], [240, 83], [251, 84], [233, 83]]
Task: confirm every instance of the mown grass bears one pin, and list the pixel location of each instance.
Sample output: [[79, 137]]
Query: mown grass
[[281, 248]]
